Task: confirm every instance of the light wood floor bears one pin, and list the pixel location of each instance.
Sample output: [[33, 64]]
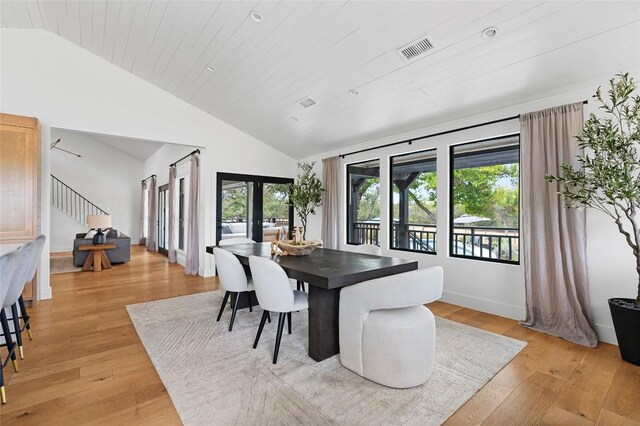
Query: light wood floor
[[87, 365]]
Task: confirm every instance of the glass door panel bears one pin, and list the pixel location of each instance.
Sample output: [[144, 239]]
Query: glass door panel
[[255, 207], [275, 211], [236, 207], [163, 219]]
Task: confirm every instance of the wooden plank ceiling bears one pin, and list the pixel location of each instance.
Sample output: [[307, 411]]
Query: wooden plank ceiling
[[325, 49]]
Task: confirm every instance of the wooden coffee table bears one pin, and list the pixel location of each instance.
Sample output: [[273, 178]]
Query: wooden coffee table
[[97, 258]]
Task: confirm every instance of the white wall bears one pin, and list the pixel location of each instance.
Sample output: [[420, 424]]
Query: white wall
[[65, 86], [103, 175], [491, 287]]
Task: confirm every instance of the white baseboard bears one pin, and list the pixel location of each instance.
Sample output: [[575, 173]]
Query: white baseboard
[[606, 333], [44, 293], [61, 249], [208, 272], [484, 305]]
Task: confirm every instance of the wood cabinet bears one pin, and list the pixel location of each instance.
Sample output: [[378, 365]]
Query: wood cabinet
[[20, 177], [19, 182]]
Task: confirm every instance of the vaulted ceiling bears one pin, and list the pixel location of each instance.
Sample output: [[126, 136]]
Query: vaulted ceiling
[[324, 50]]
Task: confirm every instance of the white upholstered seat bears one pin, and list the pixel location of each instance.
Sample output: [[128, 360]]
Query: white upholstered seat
[[233, 280], [9, 263], [386, 334], [275, 294]]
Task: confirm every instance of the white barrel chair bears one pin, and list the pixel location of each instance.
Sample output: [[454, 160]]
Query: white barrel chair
[[386, 334]]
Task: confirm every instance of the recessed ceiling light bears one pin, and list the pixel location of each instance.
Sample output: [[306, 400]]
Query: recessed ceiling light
[[292, 118], [489, 32], [354, 92], [255, 16], [211, 68]]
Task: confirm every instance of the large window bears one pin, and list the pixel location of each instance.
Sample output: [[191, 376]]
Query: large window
[[363, 203], [413, 203], [485, 194]]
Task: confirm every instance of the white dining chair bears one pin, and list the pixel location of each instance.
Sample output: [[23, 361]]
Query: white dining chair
[[386, 334], [235, 240], [275, 294], [368, 249], [233, 280]]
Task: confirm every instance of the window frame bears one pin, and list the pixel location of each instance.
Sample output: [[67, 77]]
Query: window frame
[[451, 200], [257, 211], [391, 157], [348, 197]]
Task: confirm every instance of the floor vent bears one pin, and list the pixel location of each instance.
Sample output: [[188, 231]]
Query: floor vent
[[416, 49]]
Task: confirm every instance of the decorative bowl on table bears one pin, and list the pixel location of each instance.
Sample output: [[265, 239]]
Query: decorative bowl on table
[[292, 248]]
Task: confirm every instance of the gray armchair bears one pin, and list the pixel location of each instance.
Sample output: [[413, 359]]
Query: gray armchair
[[120, 254]]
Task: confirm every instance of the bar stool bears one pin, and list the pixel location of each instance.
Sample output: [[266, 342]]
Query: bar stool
[[26, 254], [8, 266], [35, 251]]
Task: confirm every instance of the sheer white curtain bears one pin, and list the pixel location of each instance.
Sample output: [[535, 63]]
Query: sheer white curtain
[[554, 237], [330, 202], [142, 226], [171, 238], [152, 233], [192, 261]]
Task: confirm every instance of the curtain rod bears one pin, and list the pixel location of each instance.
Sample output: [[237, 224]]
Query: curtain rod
[[144, 180], [195, 151], [459, 129]]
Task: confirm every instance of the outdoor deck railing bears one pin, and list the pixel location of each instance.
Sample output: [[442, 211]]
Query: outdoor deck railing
[[472, 241], [491, 243]]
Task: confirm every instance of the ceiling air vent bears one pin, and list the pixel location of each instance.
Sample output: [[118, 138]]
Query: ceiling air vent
[[307, 102], [416, 49]]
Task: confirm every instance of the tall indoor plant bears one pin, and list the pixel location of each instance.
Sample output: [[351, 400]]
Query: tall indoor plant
[[306, 194], [608, 180]]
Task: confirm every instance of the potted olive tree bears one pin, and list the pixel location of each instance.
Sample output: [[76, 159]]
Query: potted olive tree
[[306, 194], [608, 180]]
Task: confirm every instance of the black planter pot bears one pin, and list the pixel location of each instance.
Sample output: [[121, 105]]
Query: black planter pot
[[626, 321]]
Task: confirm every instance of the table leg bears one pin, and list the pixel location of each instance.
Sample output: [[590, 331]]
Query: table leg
[[97, 261], [323, 322], [88, 262], [244, 302], [105, 260]]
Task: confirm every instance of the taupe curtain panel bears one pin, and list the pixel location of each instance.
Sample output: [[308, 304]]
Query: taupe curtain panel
[[142, 229], [330, 202], [152, 233], [192, 261], [171, 243], [554, 237]]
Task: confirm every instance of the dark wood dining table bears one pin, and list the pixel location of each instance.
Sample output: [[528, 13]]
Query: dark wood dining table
[[326, 271]]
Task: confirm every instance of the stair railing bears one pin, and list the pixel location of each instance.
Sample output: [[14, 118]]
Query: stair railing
[[71, 203]]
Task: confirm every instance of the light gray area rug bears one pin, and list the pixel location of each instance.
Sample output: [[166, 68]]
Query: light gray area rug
[[62, 265], [215, 377]]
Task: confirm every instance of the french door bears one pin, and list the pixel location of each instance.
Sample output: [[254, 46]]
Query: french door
[[163, 219], [255, 207]]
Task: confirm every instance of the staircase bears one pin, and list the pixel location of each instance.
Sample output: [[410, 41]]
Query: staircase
[[69, 202]]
